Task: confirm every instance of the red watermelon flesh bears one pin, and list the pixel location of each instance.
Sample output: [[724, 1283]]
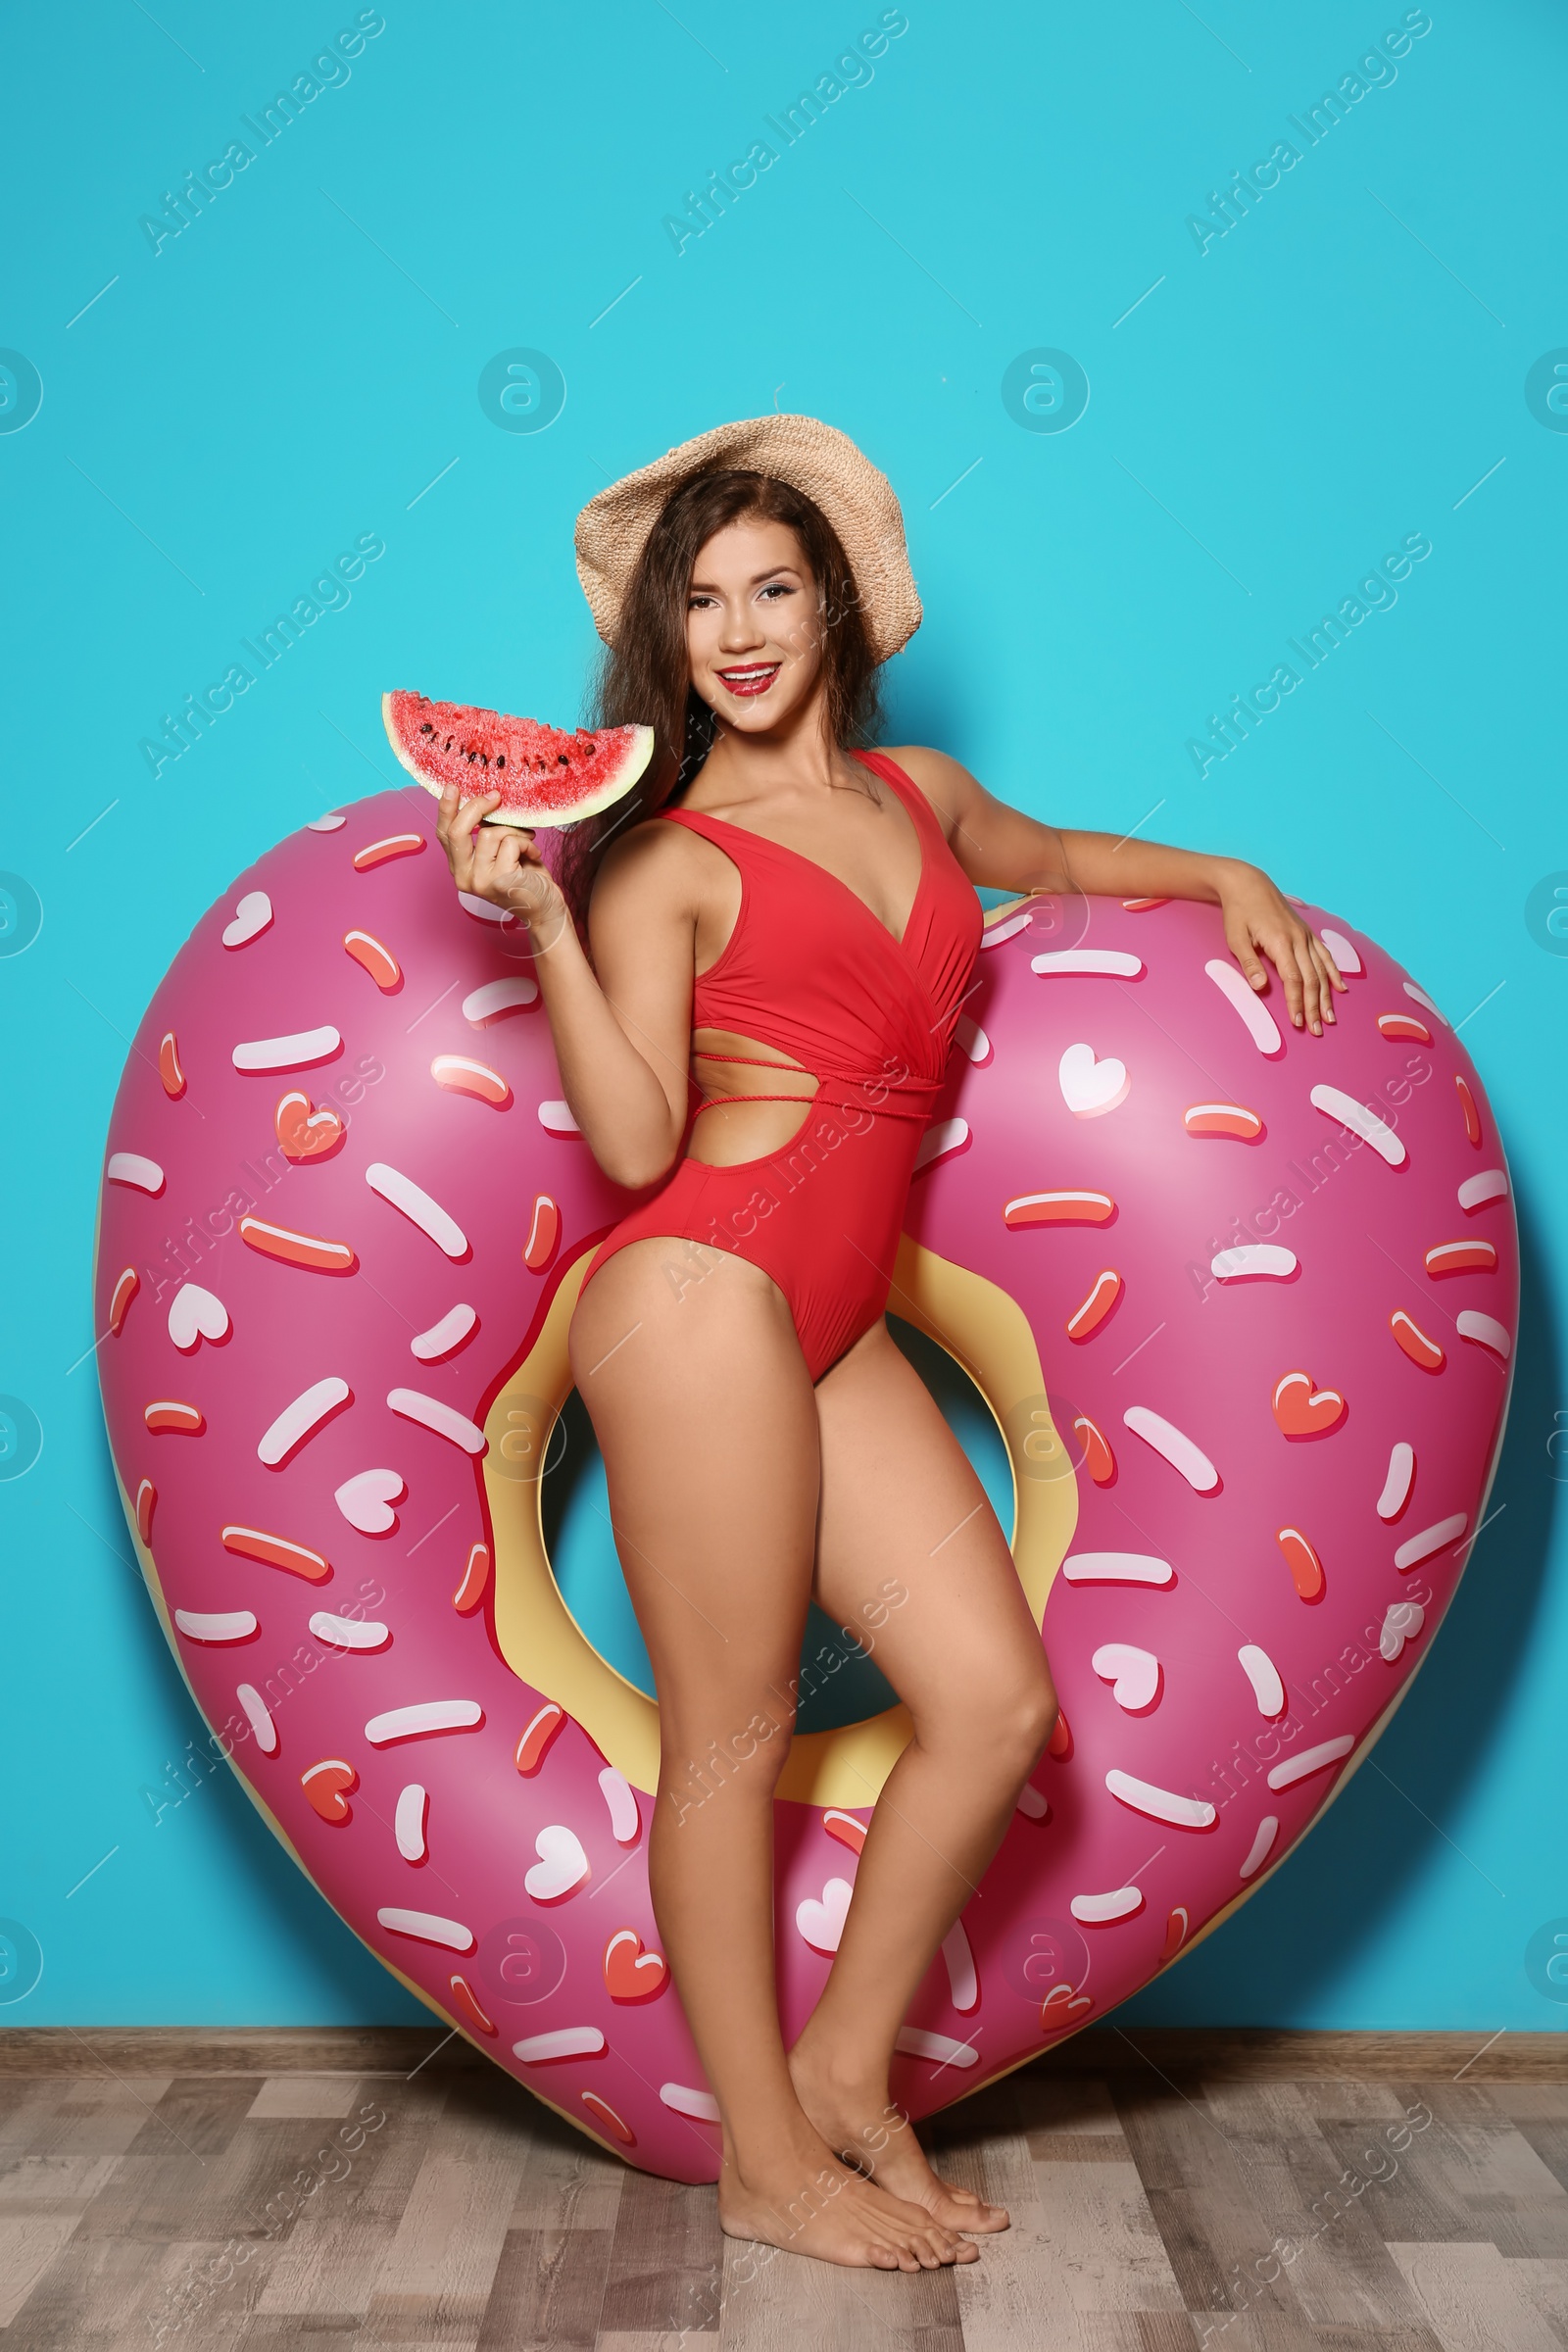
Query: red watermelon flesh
[[545, 775]]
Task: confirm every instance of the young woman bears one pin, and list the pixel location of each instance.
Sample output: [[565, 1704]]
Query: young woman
[[790, 942]]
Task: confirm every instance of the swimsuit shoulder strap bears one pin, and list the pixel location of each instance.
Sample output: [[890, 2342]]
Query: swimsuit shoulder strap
[[720, 833], [881, 764]]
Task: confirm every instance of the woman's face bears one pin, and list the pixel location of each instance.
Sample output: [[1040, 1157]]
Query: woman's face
[[753, 626]]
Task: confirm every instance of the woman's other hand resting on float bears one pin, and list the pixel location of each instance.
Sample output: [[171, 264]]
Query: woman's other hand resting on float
[[1001, 849]]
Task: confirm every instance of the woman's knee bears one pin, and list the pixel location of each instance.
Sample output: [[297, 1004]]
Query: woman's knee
[[741, 1767], [1002, 1724]]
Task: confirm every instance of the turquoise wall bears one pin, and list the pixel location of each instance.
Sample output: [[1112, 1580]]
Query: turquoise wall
[[317, 356]]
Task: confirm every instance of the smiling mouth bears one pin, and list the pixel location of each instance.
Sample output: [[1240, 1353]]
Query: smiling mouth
[[754, 678]]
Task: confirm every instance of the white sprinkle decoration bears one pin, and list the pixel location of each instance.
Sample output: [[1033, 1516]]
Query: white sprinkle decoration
[[444, 1420], [1268, 1829], [1421, 998], [1311, 1759], [402, 1193], [427, 1926], [216, 1625], [251, 918], [963, 1982], [1117, 1568], [1485, 1329], [1173, 1446], [1401, 1479], [1345, 955], [565, 2041], [1111, 964], [1096, 1910], [130, 1167], [940, 1143], [1402, 1621], [1336, 1103], [1031, 1805], [1133, 1674], [194, 1315], [972, 1038], [1252, 1259], [409, 1820], [259, 1716], [1265, 1675], [1261, 1027], [327, 824], [457, 1326], [700, 2105], [348, 1632], [1161, 1804], [482, 908], [1476, 1191], [290, 1052], [940, 2049], [297, 1420], [430, 1715], [556, 1118], [366, 1500], [1008, 928], [498, 996], [620, 1801], [1431, 1538]]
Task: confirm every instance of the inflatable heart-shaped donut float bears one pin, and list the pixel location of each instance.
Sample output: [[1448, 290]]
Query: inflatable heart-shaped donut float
[[1241, 1300]]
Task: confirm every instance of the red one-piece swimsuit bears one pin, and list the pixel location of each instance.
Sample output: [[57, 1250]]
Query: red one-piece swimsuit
[[812, 973]]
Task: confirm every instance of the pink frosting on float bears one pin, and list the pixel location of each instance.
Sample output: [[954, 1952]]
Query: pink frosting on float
[[340, 1359]]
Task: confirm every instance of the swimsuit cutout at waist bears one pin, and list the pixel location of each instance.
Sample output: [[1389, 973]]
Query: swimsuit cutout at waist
[[810, 970]]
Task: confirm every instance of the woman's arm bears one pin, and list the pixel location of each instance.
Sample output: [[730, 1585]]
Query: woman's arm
[[622, 1036], [1001, 849]]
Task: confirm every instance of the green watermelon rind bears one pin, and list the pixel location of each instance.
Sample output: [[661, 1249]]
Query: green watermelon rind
[[638, 751]]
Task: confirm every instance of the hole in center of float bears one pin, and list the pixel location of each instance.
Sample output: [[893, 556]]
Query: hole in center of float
[[841, 1681]]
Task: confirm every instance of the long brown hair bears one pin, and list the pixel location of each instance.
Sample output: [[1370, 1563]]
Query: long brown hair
[[646, 675]]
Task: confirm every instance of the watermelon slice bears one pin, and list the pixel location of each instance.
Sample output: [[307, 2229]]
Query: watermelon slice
[[545, 775]]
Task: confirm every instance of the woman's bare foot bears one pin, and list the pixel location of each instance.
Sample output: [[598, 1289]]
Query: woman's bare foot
[[858, 2119], [804, 2201]]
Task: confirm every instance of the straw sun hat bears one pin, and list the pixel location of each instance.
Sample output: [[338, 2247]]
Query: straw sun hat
[[857, 501]]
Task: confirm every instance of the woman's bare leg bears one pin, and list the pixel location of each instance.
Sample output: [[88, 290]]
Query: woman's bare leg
[[901, 1502], [693, 1376]]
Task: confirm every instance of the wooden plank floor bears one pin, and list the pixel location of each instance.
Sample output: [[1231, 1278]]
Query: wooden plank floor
[[1153, 2211]]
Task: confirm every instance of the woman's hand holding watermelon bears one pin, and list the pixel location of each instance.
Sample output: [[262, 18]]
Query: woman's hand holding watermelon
[[500, 863]]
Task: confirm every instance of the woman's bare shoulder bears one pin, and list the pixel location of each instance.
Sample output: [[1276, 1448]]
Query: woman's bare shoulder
[[653, 858], [945, 782], [650, 847]]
